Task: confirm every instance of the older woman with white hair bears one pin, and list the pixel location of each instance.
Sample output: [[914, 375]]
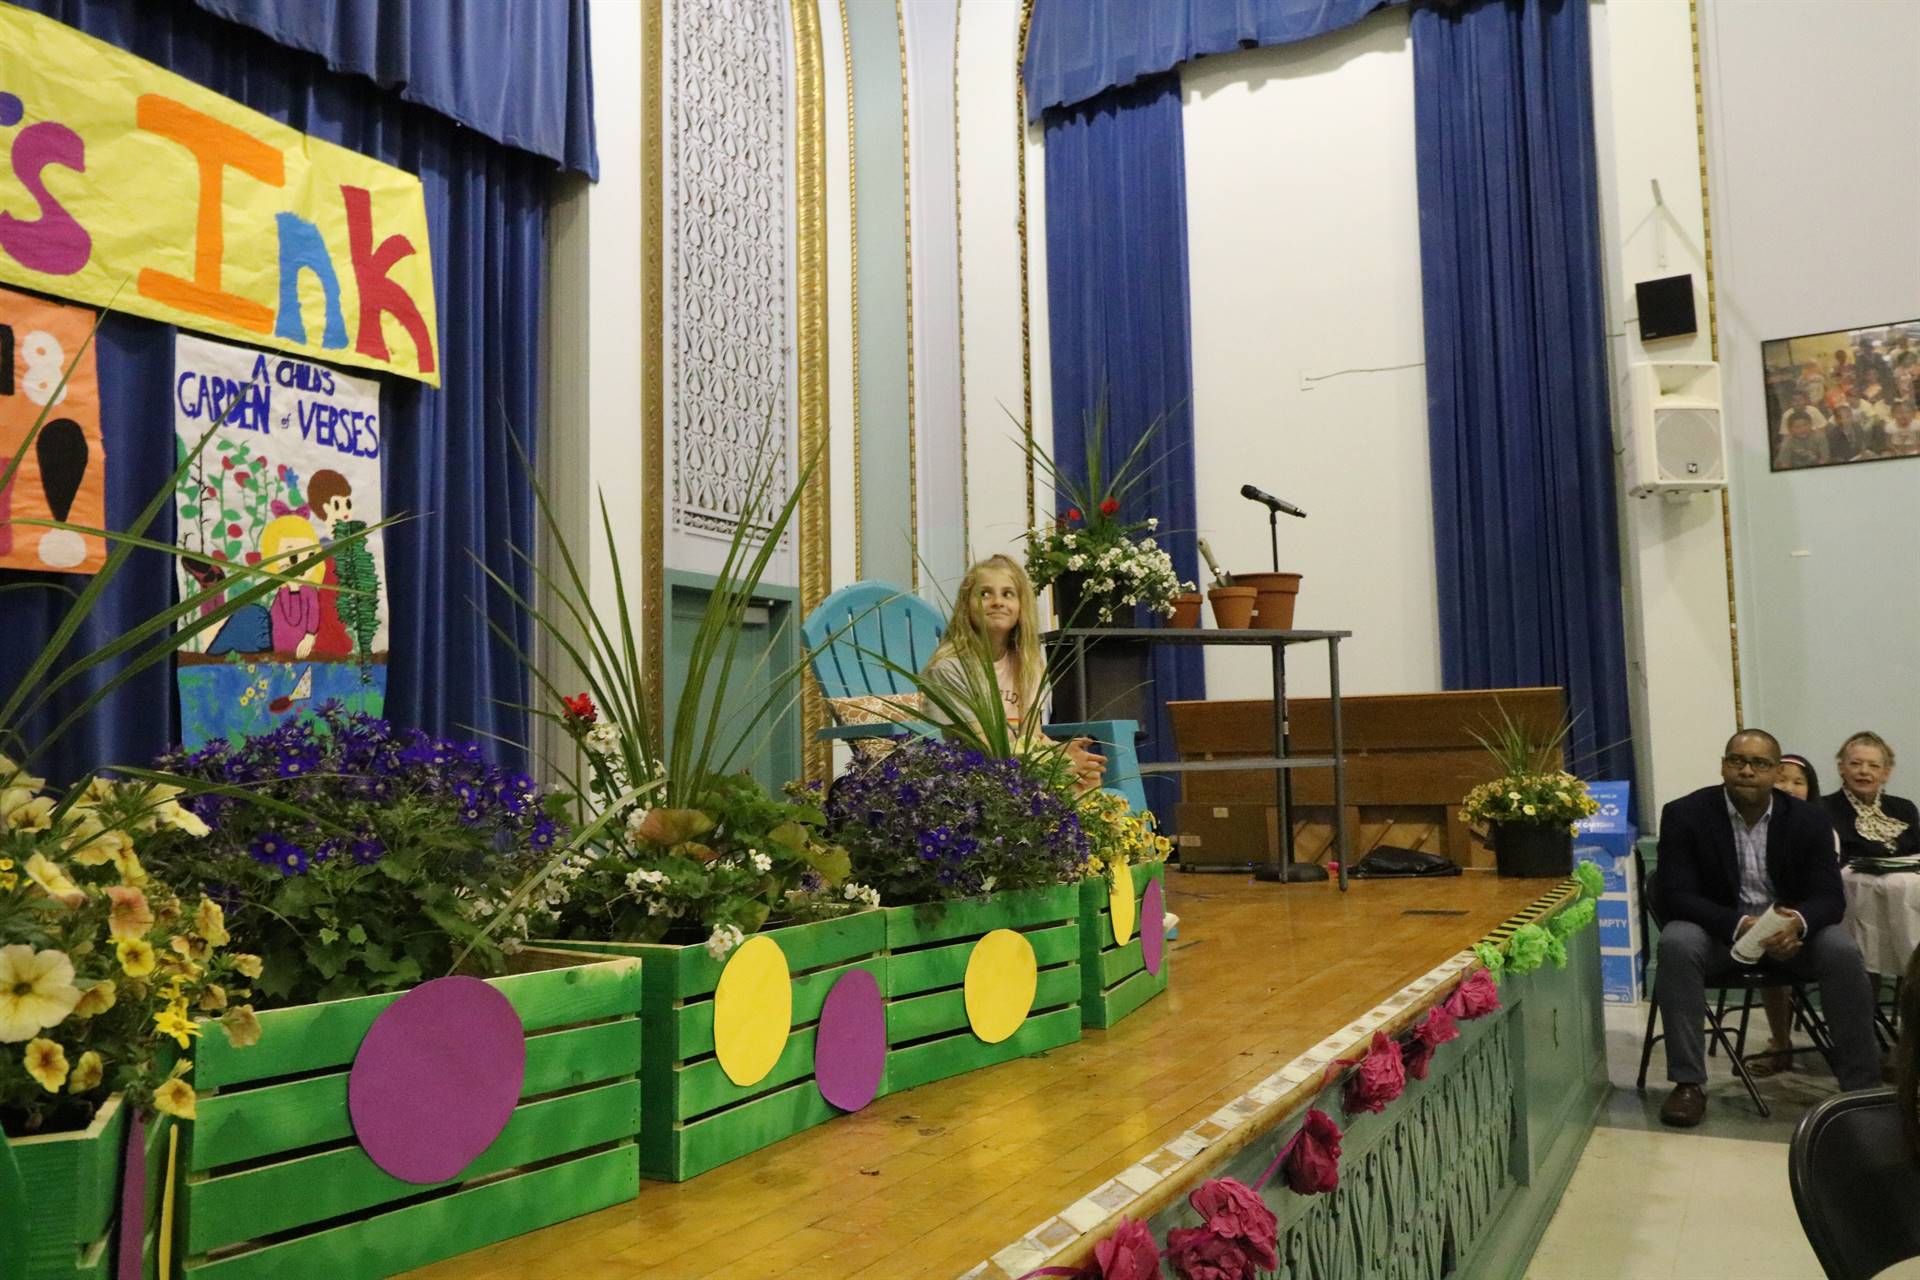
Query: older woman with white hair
[[1871, 822]]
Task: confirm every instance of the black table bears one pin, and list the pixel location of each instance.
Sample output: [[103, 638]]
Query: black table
[[1282, 760]]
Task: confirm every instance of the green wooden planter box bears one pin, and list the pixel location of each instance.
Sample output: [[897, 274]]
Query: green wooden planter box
[[694, 1117], [71, 1182], [1113, 979], [928, 1037], [276, 1186]]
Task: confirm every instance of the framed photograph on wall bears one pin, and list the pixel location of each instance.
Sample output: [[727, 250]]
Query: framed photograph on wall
[[1845, 396]]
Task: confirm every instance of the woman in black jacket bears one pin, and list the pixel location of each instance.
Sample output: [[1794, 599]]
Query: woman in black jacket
[[1871, 823]]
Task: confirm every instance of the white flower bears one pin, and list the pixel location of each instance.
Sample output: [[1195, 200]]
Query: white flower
[[761, 862], [603, 738], [986, 885], [860, 893], [1153, 522], [645, 878], [725, 938]]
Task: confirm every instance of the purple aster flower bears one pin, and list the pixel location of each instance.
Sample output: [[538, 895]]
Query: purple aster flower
[[367, 851]]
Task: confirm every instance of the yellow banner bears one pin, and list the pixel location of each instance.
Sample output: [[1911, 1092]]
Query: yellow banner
[[131, 186]]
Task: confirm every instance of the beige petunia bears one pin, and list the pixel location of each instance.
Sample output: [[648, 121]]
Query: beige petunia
[[47, 1063], [176, 1098], [87, 1073], [96, 999], [36, 991], [53, 881], [241, 1025], [131, 916]]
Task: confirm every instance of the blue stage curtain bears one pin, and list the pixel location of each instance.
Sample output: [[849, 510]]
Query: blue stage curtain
[[448, 460], [1078, 48], [1526, 530], [518, 71], [1117, 298]]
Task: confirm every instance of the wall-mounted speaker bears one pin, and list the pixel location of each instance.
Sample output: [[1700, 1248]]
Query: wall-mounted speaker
[[1676, 442], [1666, 308]]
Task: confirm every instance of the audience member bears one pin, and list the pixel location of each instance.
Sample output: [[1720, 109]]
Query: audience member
[[1871, 823], [1727, 854], [1799, 780]]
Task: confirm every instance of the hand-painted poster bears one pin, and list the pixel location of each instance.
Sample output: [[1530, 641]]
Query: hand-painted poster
[[295, 463], [62, 475]]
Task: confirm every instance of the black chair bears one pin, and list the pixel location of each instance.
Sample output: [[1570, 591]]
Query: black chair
[[1747, 981], [1855, 1184]]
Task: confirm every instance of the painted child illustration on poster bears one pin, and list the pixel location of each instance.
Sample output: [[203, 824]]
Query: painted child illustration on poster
[[62, 475], [295, 464]]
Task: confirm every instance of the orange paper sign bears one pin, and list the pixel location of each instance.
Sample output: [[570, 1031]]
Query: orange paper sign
[[64, 473]]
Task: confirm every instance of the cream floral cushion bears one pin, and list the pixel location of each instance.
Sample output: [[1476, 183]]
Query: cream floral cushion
[[877, 708]]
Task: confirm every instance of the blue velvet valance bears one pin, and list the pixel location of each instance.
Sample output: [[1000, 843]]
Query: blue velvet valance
[[517, 71], [1079, 48]]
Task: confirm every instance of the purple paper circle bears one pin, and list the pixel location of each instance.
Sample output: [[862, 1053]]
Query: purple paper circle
[[436, 1078], [1153, 928], [11, 109], [850, 1046]]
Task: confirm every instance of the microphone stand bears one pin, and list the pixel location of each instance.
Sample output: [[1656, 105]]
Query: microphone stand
[[1289, 872]]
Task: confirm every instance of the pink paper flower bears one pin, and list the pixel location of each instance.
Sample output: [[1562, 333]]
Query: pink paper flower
[[1129, 1253], [1417, 1052], [1198, 1254], [1234, 1211], [1379, 1079], [1477, 996], [1313, 1166]]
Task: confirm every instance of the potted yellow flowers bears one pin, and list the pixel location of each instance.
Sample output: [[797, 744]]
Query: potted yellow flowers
[[1529, 811], [103, 973]]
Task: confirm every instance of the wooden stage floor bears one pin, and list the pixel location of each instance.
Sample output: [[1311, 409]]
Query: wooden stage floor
[[929, 1182]]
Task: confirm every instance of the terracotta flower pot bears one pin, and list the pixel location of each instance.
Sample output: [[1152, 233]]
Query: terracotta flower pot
[[1186, 611], [1233, 606], [1278, 592]]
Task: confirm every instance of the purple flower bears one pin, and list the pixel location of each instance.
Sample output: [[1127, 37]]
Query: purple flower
[[368, 851]]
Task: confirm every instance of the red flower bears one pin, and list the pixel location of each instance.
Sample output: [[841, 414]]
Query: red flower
[[1110, 506], [1313, 1166], [1129, 1253], [1379, 1079], [241, 477], [1073, 513], [1477, 996], [1417, 1052], [1235, 1212], [253, 557], [227, 463], [1198, 1254], [580, 710], [233, 531]]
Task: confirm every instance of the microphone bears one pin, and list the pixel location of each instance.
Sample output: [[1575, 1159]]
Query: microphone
[[1273, 503]]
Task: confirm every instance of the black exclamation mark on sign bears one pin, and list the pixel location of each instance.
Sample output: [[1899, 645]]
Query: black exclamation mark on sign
[[6, 490], [62, 450]]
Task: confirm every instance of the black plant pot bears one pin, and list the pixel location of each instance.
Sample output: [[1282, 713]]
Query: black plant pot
[[1533, 849], [1078, 608]]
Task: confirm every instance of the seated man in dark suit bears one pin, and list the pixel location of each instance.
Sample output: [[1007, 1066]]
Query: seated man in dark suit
[[1727, 853]]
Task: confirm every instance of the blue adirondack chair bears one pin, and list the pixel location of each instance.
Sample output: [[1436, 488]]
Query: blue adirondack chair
[[860, 629]]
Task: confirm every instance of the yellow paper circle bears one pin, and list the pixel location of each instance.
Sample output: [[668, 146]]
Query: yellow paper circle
[[752, 1010], [1120, 906], [1002, 977]]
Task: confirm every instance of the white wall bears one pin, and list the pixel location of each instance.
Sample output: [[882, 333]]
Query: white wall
[[1673, 560], [1816, 220], [1304, 254], [990, 276]]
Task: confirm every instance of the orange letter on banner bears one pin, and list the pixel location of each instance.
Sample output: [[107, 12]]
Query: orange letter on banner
[[215, 147], [377, 293]]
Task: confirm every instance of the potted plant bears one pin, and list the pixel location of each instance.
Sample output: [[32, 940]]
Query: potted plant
[[1122, 910], [1531, 808], [104, 974], [1099, 556], [356, 857]]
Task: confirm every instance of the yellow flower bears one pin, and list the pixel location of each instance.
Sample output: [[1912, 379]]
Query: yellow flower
[[26, 812], [36, 991], [12, 776], [210, 922], [53, 881], [47, 1063], [176, 1098], [96, 999], [192, 948], [131, 916], [128, 865], [87, 1073], [1528, 810], [172, 815], [214, 998], [8, 881], [173, 1021], [90, 843], [136, 956], [241, 1026], [248, 966]]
